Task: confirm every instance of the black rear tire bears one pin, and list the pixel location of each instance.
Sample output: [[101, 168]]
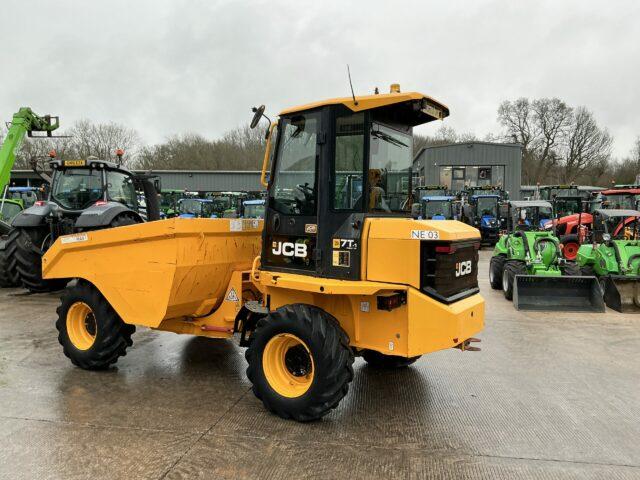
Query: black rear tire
[[8, 274], [111, 335], [496, 267], [379, 360], [511, 269], [570, 269], [324, 353], [27, 246]]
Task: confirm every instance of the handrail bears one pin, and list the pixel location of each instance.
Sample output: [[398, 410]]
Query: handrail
[[265, 161]]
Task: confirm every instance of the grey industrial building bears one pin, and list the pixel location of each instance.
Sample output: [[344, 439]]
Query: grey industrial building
[[466, 164]]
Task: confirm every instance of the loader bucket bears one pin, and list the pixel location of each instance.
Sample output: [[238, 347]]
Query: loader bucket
[[622, 293], [559, 294]]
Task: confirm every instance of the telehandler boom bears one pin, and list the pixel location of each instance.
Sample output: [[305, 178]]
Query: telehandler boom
[[24, 122], [324, 277]]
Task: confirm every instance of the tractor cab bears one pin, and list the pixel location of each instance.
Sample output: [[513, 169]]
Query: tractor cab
[[615, 224], [26, 195], [197, 208], [431, 191], [438, 208], [529, 215], [253, 208]]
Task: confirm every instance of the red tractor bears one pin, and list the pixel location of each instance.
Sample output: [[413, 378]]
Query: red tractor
[[571, 223]]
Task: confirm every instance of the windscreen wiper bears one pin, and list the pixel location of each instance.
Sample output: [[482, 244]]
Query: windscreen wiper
[[388, 138]]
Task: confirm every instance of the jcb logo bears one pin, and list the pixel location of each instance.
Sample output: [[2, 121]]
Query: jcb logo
[[289, 249], [463, 268]]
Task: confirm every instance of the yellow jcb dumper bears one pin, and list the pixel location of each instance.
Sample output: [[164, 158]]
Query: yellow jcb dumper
[[338, 267]]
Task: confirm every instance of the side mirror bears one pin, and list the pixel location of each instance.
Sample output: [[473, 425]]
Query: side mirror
[[257, 115], [157, 183]]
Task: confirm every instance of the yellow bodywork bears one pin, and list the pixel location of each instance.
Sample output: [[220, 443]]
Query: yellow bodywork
[[194, 275]]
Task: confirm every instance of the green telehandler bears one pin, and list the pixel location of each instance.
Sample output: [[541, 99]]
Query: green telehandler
[[614, 257], [527, 265], [24, 123]]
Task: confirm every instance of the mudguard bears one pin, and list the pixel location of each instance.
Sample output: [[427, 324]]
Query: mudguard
[[102, 215], [34, 216]]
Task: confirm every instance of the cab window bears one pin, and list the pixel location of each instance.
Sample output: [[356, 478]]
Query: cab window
[[120, 188], [349, 163], [294, 189], [76, 188], [389, 169]]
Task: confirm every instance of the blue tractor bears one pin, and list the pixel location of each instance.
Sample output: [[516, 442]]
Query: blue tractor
[[440, 207], [483, 212]]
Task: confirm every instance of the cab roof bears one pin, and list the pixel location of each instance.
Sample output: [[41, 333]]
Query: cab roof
[[530, 203], [424, 108], [438, 198], [618, 212]]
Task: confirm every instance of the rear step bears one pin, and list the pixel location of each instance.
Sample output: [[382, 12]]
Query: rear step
[[559, 294], [622, 293]]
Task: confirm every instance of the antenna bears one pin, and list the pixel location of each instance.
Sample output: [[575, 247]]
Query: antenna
[[355, 102]]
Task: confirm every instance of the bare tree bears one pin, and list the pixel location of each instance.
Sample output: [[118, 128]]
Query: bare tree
[[585, 147], [238, 149], [539, 127], [103, 139]]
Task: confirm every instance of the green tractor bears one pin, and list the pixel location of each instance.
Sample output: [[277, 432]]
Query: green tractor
[[527, 265], [614, 257], [169, 199]]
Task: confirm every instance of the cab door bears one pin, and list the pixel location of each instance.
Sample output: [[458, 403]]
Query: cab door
[[291, 218]]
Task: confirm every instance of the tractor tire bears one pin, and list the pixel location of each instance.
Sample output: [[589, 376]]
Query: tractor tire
[[570, 269], [387, 362], [570, 245], [123, 220], [511, 269], [8, 274], [300, 362], [91, 333], [587, 271], [27, 246], [496, 267]]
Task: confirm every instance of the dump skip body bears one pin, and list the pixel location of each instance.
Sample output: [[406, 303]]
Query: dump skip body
[[159, 270]]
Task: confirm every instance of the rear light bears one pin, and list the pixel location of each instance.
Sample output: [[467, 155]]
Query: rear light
[[100, 203], [40, 203], [390, 302], [446, 249]]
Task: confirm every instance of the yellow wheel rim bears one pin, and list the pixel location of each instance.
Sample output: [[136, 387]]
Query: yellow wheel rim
[[81, 326], [288, 365]]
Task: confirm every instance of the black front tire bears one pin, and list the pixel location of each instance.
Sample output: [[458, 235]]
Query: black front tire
[[379, 360], [570, 269], [511, 269], [331, 359], [27, 246], [112, 335], [496, 267], [8, 274]]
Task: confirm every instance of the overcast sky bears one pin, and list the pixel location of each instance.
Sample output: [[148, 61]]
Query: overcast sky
[[166, 66]]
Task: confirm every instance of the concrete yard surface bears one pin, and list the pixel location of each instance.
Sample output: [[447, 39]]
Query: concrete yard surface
[[551, 395]]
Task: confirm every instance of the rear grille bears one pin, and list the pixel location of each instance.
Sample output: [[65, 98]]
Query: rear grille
[[449, 270]]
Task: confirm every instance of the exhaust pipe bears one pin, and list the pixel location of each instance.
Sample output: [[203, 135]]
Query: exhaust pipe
[[558, 294]]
